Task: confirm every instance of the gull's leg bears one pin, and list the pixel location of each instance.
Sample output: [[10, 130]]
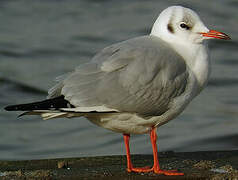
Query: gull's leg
[[130, 167], [156, 167], [128, 155]]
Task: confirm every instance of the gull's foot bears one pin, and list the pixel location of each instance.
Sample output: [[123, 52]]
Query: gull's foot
[[140, 169], [168, 172], [156, 171]]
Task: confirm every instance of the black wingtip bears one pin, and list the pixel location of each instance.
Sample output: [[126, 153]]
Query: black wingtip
[[11, 108], [55, 103]]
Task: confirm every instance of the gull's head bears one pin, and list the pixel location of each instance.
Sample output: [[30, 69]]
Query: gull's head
[[183, 25]]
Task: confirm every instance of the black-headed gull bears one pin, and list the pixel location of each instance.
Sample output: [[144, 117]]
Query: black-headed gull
[[137, 85]]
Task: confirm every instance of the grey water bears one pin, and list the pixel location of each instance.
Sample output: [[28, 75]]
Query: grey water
[[40, 40]]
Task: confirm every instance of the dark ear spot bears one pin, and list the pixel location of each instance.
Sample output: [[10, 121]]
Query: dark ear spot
[[170, 28]]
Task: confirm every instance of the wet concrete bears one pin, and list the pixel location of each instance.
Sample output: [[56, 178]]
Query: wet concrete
[[196, 165]]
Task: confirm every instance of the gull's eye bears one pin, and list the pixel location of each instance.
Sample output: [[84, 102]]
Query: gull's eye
[[184, 26]]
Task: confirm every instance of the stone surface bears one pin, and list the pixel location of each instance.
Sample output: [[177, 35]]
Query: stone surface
[[195, 165]]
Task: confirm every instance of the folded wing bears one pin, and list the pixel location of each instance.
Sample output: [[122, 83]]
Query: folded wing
[[140, 75]]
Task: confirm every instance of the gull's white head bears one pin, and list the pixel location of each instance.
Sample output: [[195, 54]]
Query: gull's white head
[[183, 25]]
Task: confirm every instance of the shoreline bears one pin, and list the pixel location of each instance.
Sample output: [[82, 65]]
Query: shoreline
[[195, 165]]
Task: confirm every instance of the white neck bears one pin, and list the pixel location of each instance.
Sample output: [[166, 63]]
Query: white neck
[[197, 58]]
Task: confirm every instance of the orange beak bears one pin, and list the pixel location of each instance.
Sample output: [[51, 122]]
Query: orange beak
[[215, 34]]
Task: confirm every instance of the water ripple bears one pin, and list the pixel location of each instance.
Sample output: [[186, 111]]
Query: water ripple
[[223, 82], [22, 87]]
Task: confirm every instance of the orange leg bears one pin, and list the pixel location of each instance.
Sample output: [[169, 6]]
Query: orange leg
[[130, 167], [156, 168]]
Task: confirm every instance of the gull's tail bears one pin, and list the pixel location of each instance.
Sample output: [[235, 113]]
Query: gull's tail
[[56, 108]]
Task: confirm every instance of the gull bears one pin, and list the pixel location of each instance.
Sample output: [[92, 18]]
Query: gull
[[137, 85]]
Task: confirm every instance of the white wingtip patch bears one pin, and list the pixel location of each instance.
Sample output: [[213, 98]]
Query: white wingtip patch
[[49, 115], [89, 109]]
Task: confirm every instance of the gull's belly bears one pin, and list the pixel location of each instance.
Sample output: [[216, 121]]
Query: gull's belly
[[128, 123], [123, 122]]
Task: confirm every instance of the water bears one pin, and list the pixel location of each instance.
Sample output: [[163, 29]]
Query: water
[[40, 40]]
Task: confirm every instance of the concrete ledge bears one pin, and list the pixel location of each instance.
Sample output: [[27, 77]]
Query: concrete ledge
[[195, 165]]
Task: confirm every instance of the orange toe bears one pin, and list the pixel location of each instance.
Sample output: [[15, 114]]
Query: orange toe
[[140, 169], [157, 171], [168, 172]]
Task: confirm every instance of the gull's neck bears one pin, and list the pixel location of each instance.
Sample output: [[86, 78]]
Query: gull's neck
[[196, 57]]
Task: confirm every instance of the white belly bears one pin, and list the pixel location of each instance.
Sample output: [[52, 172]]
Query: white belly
[[123, 122]]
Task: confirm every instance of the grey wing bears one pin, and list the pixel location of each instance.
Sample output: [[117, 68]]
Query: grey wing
[[141, 75]]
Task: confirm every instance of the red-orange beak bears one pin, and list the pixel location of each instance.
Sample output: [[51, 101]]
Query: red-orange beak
[[215, 34]]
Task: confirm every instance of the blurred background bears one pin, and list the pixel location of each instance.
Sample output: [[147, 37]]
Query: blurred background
[[40, 40]]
